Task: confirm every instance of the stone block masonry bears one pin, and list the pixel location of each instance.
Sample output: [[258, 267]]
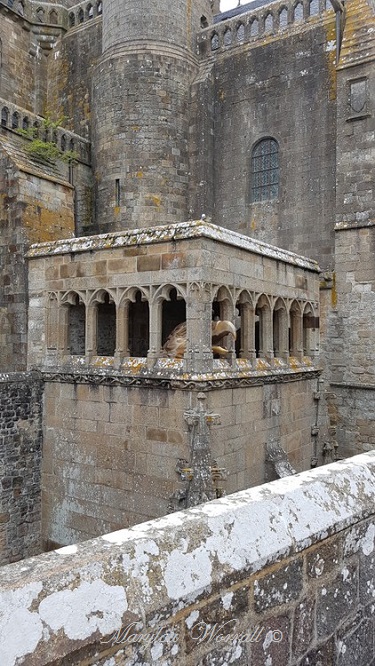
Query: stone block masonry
[[281, 575], [20, 463], [111, 452]]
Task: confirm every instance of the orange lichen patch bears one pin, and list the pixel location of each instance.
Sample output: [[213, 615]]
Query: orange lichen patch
[[358, 42], [331, 59], [334, 291], [139, 174], [153, 199], [261, 364], [43, 225], [102, 361]]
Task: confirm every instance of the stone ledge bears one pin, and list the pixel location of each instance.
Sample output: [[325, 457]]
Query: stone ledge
[[79, 595], [169, 232]]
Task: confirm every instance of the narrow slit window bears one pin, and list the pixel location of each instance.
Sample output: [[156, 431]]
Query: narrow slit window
[[117, 191]]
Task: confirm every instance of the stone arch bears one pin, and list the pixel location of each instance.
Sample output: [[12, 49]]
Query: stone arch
[[173, 309], [81, 15], [99, 8], [280, 329], [15, 120], [268, 22], [222, 303], [263, 327], [105, 323], [214, 41], [254, 27], [314, 8], [244, 323], [298, 12], [89, 11], [25, 123], [283, 17], [72, 20], [227, 37], [74, 323], [310, 325], [40, 14], [4, 116], [240, 32], [134, 316], [53, 17], [295, 329]]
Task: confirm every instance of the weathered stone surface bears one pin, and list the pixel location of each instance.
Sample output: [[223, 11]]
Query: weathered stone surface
[[170, 571], [356, 640], [280, 587], [303, 626], [337, 601]]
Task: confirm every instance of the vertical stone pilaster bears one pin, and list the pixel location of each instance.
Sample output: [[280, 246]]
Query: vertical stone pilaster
[[199, 328]]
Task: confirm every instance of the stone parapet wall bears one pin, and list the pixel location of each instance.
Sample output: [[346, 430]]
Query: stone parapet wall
[[20, 463], [281, 574], [262, 23]]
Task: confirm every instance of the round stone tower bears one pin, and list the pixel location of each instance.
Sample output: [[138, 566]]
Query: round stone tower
[[141, 110]]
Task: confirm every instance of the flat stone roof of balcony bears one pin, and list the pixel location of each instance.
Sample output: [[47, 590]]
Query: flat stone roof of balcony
[[166, 233]]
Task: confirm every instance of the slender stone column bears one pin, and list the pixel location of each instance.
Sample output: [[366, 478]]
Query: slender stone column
[[91, 330], [247, 331], [296, 325], [122, 331], [154, 349]]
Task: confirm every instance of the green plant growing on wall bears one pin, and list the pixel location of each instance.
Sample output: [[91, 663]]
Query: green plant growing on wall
[[44, 149]]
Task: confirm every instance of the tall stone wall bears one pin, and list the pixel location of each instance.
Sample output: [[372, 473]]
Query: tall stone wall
[[281, 574], [282, 86], [111, 454], [34, 206], [351, 331], [19, 61], [20, 466], [70, 71]]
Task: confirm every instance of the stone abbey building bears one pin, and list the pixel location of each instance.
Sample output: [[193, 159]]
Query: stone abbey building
[[223, 171]]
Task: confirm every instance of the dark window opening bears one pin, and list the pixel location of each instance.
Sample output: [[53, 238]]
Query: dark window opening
[[204, 22], [72, 20], [81, 16], [15, 120], [173, 313], [76, 329], [117, 192], [139, 327], [257, 337], [265, 171], [106, 328], [4, 116]]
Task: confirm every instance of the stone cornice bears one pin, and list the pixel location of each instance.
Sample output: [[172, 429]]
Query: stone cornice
[[170, 233], [191, 383]]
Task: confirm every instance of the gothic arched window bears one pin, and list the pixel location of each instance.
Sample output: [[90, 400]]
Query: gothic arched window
[[265, 170]]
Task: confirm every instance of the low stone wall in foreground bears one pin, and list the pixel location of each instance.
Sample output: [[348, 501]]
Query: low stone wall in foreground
[[278, 575]]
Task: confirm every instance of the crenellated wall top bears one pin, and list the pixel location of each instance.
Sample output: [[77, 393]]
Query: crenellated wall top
[[269, 21]]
